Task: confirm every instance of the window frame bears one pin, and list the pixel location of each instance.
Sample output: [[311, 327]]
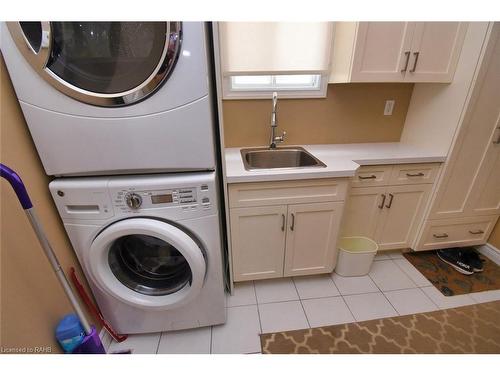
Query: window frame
[[228, 92]]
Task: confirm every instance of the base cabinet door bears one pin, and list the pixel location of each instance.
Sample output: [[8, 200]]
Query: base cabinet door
[[311, 241], [403, 209], [362, 211], [258, 242]]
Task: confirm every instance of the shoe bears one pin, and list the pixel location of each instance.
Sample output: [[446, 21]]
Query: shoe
[[454, 257], [470, 256]]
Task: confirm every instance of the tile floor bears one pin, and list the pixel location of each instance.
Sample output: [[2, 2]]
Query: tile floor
[[393, 287]]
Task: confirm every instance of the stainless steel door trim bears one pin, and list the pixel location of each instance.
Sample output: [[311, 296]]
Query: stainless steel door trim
[[37, 59], [168, 60]]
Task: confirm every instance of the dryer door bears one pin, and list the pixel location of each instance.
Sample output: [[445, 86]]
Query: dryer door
[[102, 63], [147, 263]]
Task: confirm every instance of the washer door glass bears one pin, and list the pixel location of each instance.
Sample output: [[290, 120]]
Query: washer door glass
[[148, 265], [106, 57]]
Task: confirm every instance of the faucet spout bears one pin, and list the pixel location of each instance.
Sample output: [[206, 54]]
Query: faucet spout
[[274, 124]]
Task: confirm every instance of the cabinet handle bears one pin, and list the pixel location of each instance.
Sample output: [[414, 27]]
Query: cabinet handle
[[367, 177], [293, 222], [407, 53], [383, 201], [476, 231], [282, 222], [498, 139], [415, 63], [391, 197], [444, 235], [419, 174]]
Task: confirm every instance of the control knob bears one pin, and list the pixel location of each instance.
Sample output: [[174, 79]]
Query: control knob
[[133, 200]]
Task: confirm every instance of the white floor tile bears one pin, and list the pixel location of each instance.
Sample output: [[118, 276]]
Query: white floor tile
[[444, 302], [381, 256], [243, 294], [388, 276], [282, 316], [369, 306], [354, 285], [139, 344], [189, 341], [240, 333], [414, 274], [106, 339], [487, 296], [410, 301], [327, 311], [275, 290], [315, 286]]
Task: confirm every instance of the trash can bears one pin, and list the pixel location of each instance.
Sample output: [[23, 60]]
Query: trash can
[[355, 256]]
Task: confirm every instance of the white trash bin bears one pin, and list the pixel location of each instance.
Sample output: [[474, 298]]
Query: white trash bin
[[355, 256]]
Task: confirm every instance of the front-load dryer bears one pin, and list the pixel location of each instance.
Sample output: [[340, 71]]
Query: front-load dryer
[[104, 98], [149, 246]]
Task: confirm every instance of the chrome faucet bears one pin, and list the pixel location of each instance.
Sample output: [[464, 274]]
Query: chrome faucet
[[274, 124]]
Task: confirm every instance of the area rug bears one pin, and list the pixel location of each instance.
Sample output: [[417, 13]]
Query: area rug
[[449, 281], [469, 329]]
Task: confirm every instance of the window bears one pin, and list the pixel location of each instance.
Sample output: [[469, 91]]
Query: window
[[291, 58]]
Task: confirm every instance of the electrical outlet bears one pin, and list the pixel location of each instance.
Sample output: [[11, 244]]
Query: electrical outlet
[[389, 106]]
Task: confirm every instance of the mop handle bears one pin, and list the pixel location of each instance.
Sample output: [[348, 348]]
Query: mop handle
[[22, 194]]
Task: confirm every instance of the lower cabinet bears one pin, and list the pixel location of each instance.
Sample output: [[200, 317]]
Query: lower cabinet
[[276, 240], [389, 215], [311, 238]]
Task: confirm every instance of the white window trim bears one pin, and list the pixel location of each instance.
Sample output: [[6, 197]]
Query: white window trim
[[229, 94]]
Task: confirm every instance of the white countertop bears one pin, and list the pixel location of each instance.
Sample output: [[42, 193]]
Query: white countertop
[[342, 160]]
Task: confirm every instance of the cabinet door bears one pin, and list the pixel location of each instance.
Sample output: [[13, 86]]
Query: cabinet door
[[484, 198], [312, 238], [435, 51], [402, 213], [362, 212], [258, 242], [381, 51], [471, 175]]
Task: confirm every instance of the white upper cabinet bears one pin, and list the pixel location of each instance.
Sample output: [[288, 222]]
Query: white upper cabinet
[[396, 51]]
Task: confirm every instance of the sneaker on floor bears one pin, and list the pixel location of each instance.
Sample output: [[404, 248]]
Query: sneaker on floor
[[454, 258], [471, 257]]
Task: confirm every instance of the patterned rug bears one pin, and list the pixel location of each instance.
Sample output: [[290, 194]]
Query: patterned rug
[[451, 282], [469, 329]]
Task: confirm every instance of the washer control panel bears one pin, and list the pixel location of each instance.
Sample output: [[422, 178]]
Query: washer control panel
[[187, 198]]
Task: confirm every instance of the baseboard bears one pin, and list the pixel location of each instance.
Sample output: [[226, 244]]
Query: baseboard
[[490, 251]]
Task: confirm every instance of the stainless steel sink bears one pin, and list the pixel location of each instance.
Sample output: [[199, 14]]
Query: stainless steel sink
[[283, 157]]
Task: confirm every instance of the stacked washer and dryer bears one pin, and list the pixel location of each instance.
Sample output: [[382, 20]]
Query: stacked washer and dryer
[[122, 114]]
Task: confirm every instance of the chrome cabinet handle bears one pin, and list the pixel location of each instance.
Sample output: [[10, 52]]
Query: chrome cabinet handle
[[391, 197], [381, 205], [407, 53], [498, 139], [415, 63], [367, 177], [282, 222], [444, 235], [419, 174], [476, 231], [293, 222]]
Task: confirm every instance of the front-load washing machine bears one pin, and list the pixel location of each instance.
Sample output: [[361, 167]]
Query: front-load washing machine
[[104, 98], [150, 247]]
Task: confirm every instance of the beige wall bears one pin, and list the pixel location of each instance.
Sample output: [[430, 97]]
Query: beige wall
[[32, 301], [495, 236], [350, 113]]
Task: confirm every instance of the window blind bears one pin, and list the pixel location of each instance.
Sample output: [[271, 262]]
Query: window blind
[[251, 48]]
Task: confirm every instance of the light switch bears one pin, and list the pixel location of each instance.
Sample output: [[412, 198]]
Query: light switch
[[389, 106]]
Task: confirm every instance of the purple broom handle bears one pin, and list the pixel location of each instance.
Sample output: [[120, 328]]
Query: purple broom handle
[[17, 185]]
